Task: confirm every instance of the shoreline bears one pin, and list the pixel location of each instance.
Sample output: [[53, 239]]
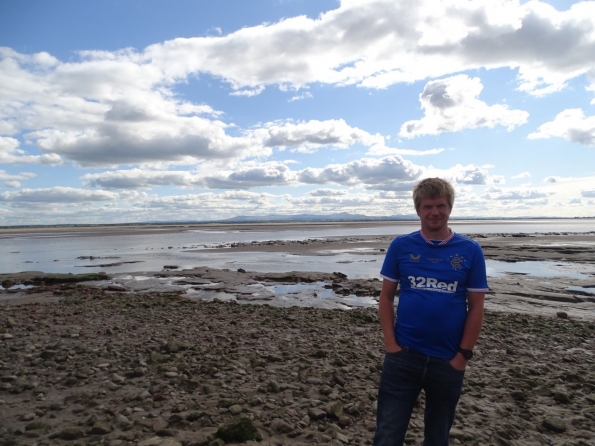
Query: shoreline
[[510, 291]]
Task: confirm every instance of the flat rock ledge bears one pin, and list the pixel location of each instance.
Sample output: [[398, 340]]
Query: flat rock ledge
[[108, 368]]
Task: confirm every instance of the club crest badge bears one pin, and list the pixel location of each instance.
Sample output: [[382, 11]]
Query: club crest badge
[[456, 261]]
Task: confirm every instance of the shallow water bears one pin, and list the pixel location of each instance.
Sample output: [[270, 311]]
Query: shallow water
[[152, 249]]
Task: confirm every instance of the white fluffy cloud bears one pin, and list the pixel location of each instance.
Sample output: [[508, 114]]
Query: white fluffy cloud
[[384, 174], [19, 176], [57, 195], [111, 108], [452, 105], [521, 175], [11, 154], [382, 150], [391, 173], [382, 42], [313, 134], [572, 125]]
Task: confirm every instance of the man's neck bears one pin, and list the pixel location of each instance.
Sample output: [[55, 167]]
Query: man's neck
[[439, 235]]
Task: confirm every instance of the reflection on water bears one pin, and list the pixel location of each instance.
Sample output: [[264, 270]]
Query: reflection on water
[[497, 268], [582, 289]]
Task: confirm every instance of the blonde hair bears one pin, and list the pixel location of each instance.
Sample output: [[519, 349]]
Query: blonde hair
[[433, 188]]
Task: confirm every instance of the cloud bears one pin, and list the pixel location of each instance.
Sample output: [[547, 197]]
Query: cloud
[[11, 154], [328, 193], [588, 193], [451, 105], [572, 125], [110, 108], [521, 175], [313, 134], [248, 92], [519, 195], [252, 175], [551, 179], [57, 195], [299, 97], [392, 173], [465, 175], [183, 140], [384, 174], [19, 176], [382, 150], [139, 178], [379, 43], [13, 184]]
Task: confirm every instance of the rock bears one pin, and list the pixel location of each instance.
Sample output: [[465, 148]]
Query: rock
[[113, 287], [157, 358], [334, 409], [159, 441], [69, 433], [236, 409], [159, 425], [35, 425], [238, 430], [316, 414], [554, 425], [122, 421], [174, 346], [118, 378], [279, 426], [562, 315], [100, 428], [273, 387], [562, 398]]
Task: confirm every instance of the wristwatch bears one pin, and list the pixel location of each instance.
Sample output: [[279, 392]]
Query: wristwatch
[[467, 354]]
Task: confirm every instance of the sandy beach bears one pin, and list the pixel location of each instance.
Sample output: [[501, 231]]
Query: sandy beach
[[100, 362]]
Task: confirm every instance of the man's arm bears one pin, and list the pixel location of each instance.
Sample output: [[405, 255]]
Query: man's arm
[[386, 313], [475, 302]]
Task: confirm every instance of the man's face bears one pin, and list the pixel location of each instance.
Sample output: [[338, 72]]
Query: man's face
[[434, 213]]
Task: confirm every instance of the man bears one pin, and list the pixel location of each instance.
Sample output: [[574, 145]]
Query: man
[[442, 277]]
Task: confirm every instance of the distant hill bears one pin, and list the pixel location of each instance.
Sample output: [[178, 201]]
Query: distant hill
[[341, 216]]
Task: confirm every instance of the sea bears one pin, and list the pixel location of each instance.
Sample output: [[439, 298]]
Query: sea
[[80, 250]]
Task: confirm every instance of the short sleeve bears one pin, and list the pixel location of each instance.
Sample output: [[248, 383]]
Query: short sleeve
[[390, 267], [477, 280]]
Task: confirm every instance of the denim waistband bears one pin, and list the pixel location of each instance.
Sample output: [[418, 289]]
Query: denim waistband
[[406, 348]]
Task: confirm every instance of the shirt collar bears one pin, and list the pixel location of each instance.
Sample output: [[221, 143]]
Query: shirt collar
[[443, 242]]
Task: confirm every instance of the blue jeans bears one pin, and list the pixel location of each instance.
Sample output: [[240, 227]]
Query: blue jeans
[[404, 375]]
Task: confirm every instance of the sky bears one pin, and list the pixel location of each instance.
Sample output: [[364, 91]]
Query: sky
[[121, 111]]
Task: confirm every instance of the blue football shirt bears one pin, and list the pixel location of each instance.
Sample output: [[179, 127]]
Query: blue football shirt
[[434, 277]]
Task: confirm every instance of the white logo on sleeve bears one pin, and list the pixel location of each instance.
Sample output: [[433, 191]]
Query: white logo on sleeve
[[431, 284]]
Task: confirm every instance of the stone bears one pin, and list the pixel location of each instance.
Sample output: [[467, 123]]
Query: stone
[[554, 424], [316, 414], [100, 428], [279, 426], [238, 430], [70, 433], [236, 409], [159, 441]]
